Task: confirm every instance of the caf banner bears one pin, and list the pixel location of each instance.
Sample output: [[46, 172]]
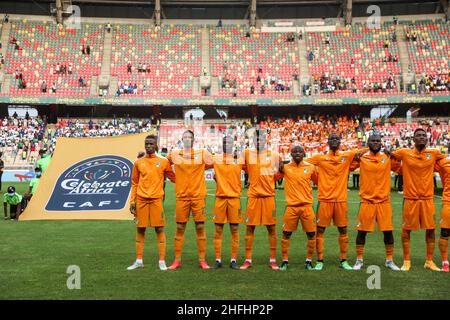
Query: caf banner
[[87, 179]]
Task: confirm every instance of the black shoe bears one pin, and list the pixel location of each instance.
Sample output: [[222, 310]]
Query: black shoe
[[308, 265], [234, 265], [284, 266], [216, 265]]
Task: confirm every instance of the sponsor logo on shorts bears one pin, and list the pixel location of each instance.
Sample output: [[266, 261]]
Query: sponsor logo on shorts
[[358, 224], [97, 183], [247, 219], [317, 220], [214, 217]]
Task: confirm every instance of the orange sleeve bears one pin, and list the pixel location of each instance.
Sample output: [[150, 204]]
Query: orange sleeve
[[169, 157], [314, 160], [440, 156], [168, 172], [134, 183], [398, 154]]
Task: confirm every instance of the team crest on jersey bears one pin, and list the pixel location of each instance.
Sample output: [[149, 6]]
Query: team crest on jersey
[[343, 159], [383, 160], [428, 156], [158, 164], [305, 170]]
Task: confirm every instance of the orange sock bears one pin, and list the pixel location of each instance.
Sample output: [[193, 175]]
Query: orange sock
[[343, 245], [285, 244], [319, 245], [359, 251], [431, 243], [201, 242], [249, 235], [140, 239], [218, 241], [443, 247], [234, 243], [273, 240], [311, 245], [389, 251], [406, 236], [161, 237], [178, 243]]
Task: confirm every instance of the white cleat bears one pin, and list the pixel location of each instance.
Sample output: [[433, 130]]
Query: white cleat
[[391, 265], [136, 265], [162, 266], [358, 265]]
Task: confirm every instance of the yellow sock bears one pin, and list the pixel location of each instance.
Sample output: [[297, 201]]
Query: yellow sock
[[234, 243], [311, 245], [201, 242], [140, 239], [249, 235], [405, 243], [443, 247], [319, 245], [359, 251], [285, 244], [218, 241], [389, 251], [161, 237], [178, 243], [343, 245]]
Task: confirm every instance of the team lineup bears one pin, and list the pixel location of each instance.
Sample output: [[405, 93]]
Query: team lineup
[[264, 167]]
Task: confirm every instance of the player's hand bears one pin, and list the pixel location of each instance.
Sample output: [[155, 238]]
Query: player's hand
[[357, 156], [141, 154], [388, 150], [133, 209], [281, 168]]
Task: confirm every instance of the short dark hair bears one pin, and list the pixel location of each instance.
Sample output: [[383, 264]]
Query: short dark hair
[[151, 136], [37, 169], [419, 129]]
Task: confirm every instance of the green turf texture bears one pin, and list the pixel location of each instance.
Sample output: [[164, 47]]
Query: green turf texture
[[35, 255]]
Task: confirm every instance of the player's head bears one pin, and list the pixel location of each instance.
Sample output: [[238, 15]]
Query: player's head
[[151, 144], [227, 145], [420, 138], [297, 153], [334, 141], [188, 139], [260, 139], [11, 190], [374, 142], [38, 172]]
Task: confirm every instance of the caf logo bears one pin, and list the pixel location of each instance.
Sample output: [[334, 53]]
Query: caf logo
[[97, 183]]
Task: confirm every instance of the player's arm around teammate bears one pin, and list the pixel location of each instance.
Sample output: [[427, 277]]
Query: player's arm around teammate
[[147, 193], [299, 199], [227, 208]]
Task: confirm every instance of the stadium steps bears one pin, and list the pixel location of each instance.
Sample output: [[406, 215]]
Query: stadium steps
[[6, 30], [205, 50], [113, 85], [304, 69], [105, 71], [6, 85], [296, 87], [214, 86], [196, 86], [408, 76], [94, 86]]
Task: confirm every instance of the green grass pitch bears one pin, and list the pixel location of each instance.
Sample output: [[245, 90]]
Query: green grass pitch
[[34, 257]]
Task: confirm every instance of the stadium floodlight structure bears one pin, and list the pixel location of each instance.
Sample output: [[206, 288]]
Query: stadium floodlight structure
[[62, 10]]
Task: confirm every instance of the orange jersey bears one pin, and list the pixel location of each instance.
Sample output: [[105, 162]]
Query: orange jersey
[[375, 171], [443, 167], [333, 174], [261, 169], [297, 185], [147, 178], [228, 176], [418, 171], [190, 173]]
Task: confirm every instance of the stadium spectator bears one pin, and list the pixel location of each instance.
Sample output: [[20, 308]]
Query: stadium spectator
[[129, 66], [219, 24], [54, 87], [44, 86], [88, 49], [108, 27], [14, 200], [327, 39], [83, 49], [6, 18], [81, 82], [70, 69]]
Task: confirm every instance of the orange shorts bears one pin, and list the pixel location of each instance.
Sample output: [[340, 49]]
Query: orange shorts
[[332, 210], [183, 208], [303, 213], [371, 213], [418, 213], [261, 212], [227, 210], [445, 215], [150, 213]]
